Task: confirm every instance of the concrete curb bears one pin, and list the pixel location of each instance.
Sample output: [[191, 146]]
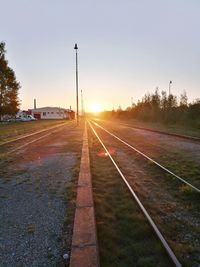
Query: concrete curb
[[84, 240]]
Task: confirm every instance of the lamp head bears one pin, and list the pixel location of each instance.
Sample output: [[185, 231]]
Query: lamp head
[[76, 47]]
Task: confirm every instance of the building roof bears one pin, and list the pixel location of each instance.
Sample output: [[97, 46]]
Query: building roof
[[51, 108]]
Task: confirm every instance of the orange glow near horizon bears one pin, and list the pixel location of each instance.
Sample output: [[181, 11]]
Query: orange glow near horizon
[[96, 108]]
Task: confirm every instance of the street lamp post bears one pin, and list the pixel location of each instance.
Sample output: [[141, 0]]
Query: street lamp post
[[170, 82], [77, 115]]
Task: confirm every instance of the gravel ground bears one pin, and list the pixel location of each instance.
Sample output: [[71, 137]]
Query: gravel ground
[[33, 208]]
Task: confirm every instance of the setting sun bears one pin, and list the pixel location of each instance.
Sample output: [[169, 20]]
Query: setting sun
[[96, 107]]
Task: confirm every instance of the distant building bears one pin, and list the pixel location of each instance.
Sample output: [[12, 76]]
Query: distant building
[[52, 113]]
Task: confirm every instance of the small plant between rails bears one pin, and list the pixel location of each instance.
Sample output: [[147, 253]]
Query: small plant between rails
[[130, 239]]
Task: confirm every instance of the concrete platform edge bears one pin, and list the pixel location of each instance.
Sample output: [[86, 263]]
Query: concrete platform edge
[[84, 252]]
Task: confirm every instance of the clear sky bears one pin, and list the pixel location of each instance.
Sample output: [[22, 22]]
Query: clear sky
[[126, 48]]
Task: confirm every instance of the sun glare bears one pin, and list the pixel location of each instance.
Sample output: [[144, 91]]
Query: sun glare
[[95, 108]]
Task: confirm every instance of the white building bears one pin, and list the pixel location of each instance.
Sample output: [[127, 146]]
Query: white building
[[54, 113]]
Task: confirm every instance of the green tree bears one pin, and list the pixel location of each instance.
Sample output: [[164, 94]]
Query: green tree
[[183, 99], [155, 105], [9, 87]]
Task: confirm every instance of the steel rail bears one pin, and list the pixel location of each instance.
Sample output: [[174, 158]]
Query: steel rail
[[151, 222], [33, 141], [28, 135], [150, 159]]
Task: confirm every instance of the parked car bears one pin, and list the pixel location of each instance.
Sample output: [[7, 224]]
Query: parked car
[[28, 118], [32, 118], [25, 118]]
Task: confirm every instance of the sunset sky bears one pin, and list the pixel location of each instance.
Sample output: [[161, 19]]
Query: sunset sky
[[126, 48]]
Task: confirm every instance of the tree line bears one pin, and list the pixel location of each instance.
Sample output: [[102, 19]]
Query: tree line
[[156, 107], [9, 87]]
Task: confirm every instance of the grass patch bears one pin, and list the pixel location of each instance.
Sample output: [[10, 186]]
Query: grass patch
[[182, 192], [50, 255], [30, 228], [190, 196], [3, 196], [186, 189], [187, 169], [7, 179]]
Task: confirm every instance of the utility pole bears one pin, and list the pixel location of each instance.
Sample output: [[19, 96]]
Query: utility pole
[[77, 115], [170, 82]]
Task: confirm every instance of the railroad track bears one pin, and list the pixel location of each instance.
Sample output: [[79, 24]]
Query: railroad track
[[29, 135], [192, 138], [7, 147], [149, 158], [166, 246]]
